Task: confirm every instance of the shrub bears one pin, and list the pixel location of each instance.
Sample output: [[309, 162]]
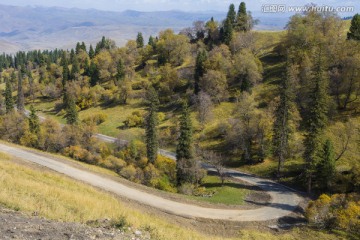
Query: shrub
[[339, 211], [187, 189], [97, 118], [134, 120], [78, 153], [113, 163], [129, 172]]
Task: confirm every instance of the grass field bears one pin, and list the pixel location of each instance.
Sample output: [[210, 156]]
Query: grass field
[[230, 194]]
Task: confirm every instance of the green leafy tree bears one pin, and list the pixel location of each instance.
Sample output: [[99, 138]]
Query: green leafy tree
[[316, 119], [20, 94], [9, 101], [281, 127], [140, 40], [34, 122], [151, 122], [199, 69], [72, 116], [185, 164], [354, 31], [75, 69]]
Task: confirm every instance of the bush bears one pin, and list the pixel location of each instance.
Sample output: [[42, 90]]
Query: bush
[[129, 172], [339, 211], [97, 119], [78, 153], [134, 120], [186, 189], [113, 163]]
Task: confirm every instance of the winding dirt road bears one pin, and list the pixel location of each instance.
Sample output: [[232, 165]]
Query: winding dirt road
[[283, 200]]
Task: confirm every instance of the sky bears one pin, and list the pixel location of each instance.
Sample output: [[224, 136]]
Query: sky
[[183, 5]]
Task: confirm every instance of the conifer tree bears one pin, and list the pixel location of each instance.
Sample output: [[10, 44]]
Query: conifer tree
[[231, 15], [91, 52], [227, 32], [199, 69], [354, 31], [72, 117], [281, 127], [75, 69], [140, 40], [316, 119], [151, 41], [185, 163], [151, 122], [326, 167], [9, 101], [34, 122], [242, 23], [94, 74], [120, 75], [20, 94]]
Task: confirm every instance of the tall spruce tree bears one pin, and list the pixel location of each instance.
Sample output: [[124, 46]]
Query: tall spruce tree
[[140, 40], [326, 167], [316, 119], [120, 75], [75, 69], [72, 116], [227, 32], [185, 163], [281, 127], [34, 122], [242, 19], [91, 52], [9, 101], [151, 41], [354, 31], [20, 104], [94, 74], [199, 69], [231, 15], [151, 122]]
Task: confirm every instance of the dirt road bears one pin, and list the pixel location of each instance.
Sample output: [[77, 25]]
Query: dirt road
[[284, 201]]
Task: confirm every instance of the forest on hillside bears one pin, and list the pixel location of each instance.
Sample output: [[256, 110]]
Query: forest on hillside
[[282, 105]]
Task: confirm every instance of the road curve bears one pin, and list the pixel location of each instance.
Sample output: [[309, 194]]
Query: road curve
[[283, 200]]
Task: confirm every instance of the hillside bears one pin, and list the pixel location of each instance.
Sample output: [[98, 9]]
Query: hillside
[[29, 28], [226, 99]]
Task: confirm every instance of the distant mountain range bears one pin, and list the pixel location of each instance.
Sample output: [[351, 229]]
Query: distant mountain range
[[28, 28]]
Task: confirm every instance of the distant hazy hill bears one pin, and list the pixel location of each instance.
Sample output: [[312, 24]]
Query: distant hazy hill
[[25, 28]]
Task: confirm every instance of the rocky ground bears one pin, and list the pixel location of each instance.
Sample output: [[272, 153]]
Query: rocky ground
[[15, 225]]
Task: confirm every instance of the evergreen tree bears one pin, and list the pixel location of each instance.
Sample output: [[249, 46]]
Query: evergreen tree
[[94, 74], [185, 163], [9, 101], [231, 15], [20, 94], [316, 119], [281, 127], [227, 32], [326, 167], [242, 9], [151, 41], [75, 69], [34, 122], [78, 48], [151, 122], [199, 69], [72, 117], [66, 71], [120, 75], [140, 40], [83, 46], [354, 31], [91, 52]]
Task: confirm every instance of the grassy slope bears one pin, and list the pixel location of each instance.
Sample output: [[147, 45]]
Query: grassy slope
[[57, 197]]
